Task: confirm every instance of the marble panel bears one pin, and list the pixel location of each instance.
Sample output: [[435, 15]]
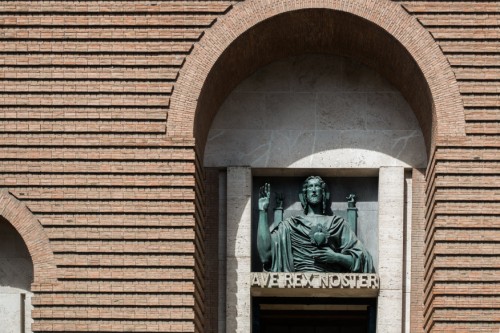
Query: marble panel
[[309, 122], [387, 234], [238, 216], [341, 111], [238, 262], [389, 111], [10, 313], [368, 149], [242, 111], [344, 158], [289, 146], [390, 274], [238, 147], [28, 321], [240, 245], [391, 225], [238, 275], [389, 147], [316, 73], [389, 320], [392, 143], [289, 111], [319, 149]]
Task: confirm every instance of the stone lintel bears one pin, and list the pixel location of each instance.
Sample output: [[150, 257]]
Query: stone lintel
[[312, 284]]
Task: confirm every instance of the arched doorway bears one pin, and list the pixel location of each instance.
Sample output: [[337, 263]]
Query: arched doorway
[[378, 34], [16, 276], [312, 114], [29, 262]]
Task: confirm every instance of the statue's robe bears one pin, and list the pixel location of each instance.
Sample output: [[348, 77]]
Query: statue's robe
[[293, 248]]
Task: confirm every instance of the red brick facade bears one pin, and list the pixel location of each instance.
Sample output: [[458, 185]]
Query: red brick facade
[[106, 105]]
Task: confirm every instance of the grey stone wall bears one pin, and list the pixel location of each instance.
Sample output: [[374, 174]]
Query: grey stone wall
[[315, 111]]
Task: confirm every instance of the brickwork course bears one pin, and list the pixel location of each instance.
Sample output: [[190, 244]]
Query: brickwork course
[[104, 111]]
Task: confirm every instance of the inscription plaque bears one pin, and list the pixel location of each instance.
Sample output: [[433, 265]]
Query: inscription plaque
[[315, 284]]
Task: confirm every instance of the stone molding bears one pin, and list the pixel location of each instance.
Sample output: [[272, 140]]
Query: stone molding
[[32, 233]]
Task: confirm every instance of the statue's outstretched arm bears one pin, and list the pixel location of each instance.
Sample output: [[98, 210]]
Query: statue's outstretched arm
[[263, 233]]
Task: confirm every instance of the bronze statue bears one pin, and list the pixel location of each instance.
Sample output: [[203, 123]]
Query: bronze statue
[[313, 242]]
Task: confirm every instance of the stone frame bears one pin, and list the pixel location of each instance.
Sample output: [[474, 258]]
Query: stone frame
[[393, 293]]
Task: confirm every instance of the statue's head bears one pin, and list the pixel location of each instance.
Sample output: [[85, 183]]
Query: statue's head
[[314, 192]]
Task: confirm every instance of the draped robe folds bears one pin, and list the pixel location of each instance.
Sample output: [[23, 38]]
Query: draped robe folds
[[293, 249]]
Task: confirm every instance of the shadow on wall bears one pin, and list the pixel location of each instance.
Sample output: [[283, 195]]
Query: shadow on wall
[[315, 111], [16, 267]]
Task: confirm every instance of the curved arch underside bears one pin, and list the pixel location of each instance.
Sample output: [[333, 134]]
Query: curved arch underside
[[315, 111], [379, 34], [32, 233]]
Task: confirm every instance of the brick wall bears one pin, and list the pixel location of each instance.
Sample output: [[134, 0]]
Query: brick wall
[[84, 108], [462, 228], [461, 238], [85, 95], [417, 251]]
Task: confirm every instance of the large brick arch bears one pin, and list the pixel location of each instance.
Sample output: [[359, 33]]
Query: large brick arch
[[378, 33], [33, 235]]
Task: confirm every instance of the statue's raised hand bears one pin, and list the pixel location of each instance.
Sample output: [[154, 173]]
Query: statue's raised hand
[[264, 197]]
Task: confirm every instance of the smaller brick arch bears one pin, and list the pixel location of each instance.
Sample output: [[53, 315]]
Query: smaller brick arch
[[378, 33], [32, 233]]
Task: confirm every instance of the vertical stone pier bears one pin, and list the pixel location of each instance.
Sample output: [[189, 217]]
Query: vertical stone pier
[[390, 233], [238, 258]]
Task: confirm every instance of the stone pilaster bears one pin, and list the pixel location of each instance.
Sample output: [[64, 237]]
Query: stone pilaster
[[390, 230], [238, 307]]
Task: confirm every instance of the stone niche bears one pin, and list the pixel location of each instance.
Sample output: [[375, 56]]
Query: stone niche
[[16, 276], [314, 115], [365, 188], [315, 111]]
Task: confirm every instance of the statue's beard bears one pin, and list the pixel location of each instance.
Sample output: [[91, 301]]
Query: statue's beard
[[314, 199]]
